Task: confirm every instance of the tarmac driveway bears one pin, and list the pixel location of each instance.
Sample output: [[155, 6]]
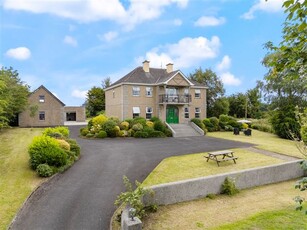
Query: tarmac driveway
[[83, 197]]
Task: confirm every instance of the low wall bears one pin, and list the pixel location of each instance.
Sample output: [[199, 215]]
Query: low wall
[[192, 189]]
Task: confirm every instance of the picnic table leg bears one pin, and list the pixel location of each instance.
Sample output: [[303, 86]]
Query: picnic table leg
[[217, 161]]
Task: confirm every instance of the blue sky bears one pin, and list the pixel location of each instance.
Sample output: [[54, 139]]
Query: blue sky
[[70, 46]]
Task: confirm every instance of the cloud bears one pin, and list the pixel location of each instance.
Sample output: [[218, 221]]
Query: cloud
[[79, 93], [177, 22], [95, 10], [230, 79], [263, 5], [185, 53], [20, 53], [109, 36], [209, 21], [70, 41], [224, 64]]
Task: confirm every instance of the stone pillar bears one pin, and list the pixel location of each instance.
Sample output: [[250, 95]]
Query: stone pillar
[[128, 224]]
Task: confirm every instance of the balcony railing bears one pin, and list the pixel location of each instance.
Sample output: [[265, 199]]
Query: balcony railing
[[175, 99]]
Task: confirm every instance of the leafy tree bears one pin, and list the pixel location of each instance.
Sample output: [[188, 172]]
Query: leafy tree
[[95, 101], [237, 105], [221, 106], [215, 87], [13, 95], [33, 110], [253, 103], [106, 82]]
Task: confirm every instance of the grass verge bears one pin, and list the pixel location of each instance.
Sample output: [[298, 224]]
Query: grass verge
[[265, 207], [17, 180], [195, 165], [263, 140]]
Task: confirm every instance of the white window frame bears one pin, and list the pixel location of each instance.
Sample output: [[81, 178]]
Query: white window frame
[[148, 91], [197, 112], [197, 93], [136, 91], [136, 112], [41, 98], [186, 112], [42, 115], [149, 111]]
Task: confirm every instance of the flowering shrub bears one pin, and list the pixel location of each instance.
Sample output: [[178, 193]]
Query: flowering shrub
[[99, 120]]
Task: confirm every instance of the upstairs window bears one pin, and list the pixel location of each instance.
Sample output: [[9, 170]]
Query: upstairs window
[[136, 91], [149, 91], [197, 93], [197, 112], [135, 112], [149, 112], [41, 98], [186, 112], [41, 115]]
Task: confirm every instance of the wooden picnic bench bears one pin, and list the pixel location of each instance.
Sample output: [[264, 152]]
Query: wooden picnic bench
[[220, 156]]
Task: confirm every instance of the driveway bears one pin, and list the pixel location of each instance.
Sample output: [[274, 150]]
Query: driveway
[[83, 197]]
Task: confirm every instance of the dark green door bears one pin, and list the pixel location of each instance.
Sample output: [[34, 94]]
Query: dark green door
[[172, 115]]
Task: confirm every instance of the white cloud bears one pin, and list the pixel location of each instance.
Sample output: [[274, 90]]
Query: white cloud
[[109, 36], [186, 53], [79, 93], [20, 53], [209, 21], [177, 22], [263, 5], [69, 40], [230, 79], [224, 64], [95, 10]]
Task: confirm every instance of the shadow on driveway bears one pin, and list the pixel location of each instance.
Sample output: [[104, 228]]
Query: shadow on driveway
[[83, 197]]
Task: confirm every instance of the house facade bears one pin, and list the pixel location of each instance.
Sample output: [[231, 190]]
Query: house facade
[[163, 93], [48, 110]]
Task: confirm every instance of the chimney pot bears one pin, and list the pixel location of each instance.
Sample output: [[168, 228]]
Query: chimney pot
[[146, 66], [169, 67]]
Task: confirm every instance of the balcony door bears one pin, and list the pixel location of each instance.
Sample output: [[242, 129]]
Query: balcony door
[[172, 115]]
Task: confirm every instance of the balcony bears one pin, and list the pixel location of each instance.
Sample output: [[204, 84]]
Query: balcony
[[175, 99]]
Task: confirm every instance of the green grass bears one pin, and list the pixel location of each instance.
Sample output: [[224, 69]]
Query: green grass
[[195, 165], [287, 219], [263, 140], [17, 180]]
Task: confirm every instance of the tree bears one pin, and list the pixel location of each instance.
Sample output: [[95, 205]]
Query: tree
[[33, 110], [221, 106], [253, 103], [13, 95], [237, 105], [95, 100], [215, 87], [106, 82]]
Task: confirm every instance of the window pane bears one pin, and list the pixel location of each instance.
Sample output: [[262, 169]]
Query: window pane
[[41, 98], [41, 116], [148, 110]]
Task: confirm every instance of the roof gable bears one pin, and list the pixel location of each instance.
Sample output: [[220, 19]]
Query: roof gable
[[47, 91]]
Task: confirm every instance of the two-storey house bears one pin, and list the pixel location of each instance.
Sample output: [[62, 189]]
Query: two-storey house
[[164, 93]]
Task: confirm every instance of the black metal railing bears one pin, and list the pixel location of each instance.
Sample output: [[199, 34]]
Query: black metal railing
[[175, 99]]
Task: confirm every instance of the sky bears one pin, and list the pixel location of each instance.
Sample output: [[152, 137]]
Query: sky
[[70, 46]]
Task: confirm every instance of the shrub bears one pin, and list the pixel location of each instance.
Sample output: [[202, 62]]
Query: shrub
[[90, 135], [90, 124], [211, 196], [229, 187], [234, 124], [140, 134], [74, 147], [109, 127], [198, 123], [55, 135], [95, 129], [60, 129], [64, 144], [168, 133], [224, 118], [84, 131], [215, 122], [140, 120], [304, 134], [99, 120], [228, 128], [155, 133], [102, 134], [137, 127], [123, 133], [159, 126], [150, 124], [131, 133], [244, 126], [208, 125], [129, 120], [44, 170], [154, 119], [45, 149], [115, 119], [124, 125]]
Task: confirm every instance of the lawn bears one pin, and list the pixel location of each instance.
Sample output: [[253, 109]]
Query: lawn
[[265, 207], [195, 165], [263, 140], [17, 180]]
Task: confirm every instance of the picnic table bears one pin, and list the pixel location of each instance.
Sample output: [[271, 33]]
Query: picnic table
[[220, 156]]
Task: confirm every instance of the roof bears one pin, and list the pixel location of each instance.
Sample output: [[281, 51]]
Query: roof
[[155, 76], [44, 88]]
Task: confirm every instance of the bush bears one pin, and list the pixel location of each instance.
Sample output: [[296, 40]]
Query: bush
[[74, 147], [115, 119], [124, 125], [150, 124], [208, 125], [244, 126], [228, 128], [84, 131], [109, 127], [159, 126], [64, 144], [99, 120], [215, 122], [131, 133], [224, 118], [60, 129], [155, 133], [199, 123], [229, 187], [102, 134], [90, 135], [168, 133], [304, 134], [55, 135], [138, 120], [137, 127], [234, 124], [123, 133], [140, 134], [129, 120], [154, 119], [95, 129], [44, 170], [45, 149]]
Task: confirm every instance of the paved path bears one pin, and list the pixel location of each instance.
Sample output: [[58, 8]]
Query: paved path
[[83, 196]]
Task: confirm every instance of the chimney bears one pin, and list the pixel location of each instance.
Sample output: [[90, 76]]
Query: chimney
[[169, 67], [146, 66]]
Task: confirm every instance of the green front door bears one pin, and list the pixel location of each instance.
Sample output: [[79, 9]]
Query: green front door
[[172, 115]]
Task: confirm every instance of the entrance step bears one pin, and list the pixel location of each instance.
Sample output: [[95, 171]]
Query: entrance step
[[184, 130]]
